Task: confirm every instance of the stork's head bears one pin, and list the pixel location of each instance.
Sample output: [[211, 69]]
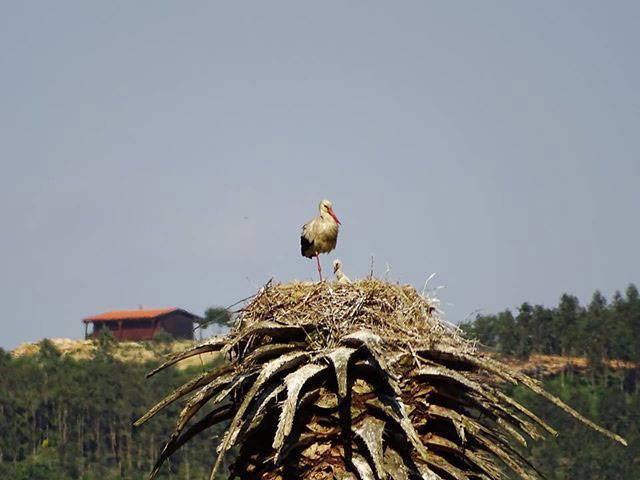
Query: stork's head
[[326, 208], [337, 265]]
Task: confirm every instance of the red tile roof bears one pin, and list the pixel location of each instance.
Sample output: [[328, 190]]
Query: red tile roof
[[130, 314]]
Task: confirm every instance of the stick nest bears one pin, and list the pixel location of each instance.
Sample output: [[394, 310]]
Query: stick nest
[[398, 314]]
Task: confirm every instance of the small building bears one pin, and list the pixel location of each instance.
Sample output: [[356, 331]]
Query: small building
[[135, 325]]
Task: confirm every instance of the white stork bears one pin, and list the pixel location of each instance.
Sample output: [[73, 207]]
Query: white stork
[[320, 234], [337, 270]]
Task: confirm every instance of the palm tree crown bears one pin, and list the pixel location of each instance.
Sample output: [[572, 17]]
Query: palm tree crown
[[362, 380]]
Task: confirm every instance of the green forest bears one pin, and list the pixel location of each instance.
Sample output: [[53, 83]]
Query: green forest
[[62, 418], [600, 331]]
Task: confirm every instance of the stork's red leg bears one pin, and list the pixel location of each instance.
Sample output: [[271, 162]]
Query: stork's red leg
[[319, 269]]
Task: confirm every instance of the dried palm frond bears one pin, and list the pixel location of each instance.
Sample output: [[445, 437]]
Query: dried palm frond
[[356, 380]]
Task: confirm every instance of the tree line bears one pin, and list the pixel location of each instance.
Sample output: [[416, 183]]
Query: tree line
[[600, 330]]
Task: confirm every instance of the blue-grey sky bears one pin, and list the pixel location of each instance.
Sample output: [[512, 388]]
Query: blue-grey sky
[[167, 153]]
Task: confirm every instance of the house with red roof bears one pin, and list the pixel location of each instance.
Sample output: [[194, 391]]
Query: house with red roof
[[142, 324]]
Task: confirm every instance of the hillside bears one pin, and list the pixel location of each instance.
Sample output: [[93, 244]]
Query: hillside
[[142, 352], [67, 412], [129, 352], [550, 365]]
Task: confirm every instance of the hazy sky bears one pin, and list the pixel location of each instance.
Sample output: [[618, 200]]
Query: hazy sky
[[166, 153]]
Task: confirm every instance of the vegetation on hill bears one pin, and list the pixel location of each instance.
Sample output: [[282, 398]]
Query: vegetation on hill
[[577, 452], [66, 417], [63, 418], [605, 390]]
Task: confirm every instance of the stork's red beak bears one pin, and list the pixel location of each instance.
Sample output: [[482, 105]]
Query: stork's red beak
[[333, 214]]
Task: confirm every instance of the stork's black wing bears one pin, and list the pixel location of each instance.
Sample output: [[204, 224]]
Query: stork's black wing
[[306, 247]]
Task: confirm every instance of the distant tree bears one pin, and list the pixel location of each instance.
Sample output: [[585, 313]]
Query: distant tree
[[5, 357], [494, 331], [219, 317], [632, 294], [566, 319], [525, 329], [596, 335], [482, 329], [632, 300], [546, 337], [621, 335], [632, 314], [507, 336]]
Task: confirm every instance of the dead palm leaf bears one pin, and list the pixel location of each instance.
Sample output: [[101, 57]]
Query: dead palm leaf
[[356, 381]]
